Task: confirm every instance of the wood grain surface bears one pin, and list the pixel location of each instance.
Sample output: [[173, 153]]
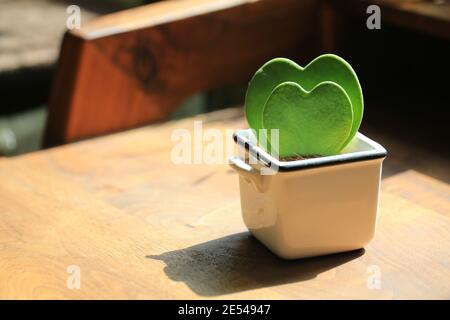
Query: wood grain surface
[[423, 16], [138, 226]]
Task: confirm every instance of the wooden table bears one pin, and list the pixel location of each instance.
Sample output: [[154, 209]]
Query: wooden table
[[136, 225]]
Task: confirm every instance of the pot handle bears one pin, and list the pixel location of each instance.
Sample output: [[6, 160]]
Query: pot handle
[[250, 174]]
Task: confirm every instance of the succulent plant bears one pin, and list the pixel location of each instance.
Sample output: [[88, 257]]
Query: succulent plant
[[317, 109]]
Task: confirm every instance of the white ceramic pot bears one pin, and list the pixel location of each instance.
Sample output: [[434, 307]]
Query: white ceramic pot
[[314, 206]]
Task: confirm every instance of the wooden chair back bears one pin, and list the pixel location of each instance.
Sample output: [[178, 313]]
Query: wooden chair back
[[134, 67]]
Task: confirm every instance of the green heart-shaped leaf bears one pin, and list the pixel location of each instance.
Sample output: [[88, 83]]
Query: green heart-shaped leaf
[[310, 123], [326, 67]]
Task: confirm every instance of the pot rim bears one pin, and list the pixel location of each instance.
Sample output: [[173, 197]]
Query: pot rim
[[375, 151]]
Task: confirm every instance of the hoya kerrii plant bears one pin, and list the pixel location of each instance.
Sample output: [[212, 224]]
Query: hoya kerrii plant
[[317, 109]]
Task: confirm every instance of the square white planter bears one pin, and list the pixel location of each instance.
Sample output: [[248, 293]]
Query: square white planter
[[314, 206]]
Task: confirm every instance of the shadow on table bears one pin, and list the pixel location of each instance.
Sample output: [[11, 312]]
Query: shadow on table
[[239, 262]]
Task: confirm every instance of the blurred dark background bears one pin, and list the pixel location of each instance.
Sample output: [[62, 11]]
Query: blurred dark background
[[403, 70], [30, 37], [402, 67]]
